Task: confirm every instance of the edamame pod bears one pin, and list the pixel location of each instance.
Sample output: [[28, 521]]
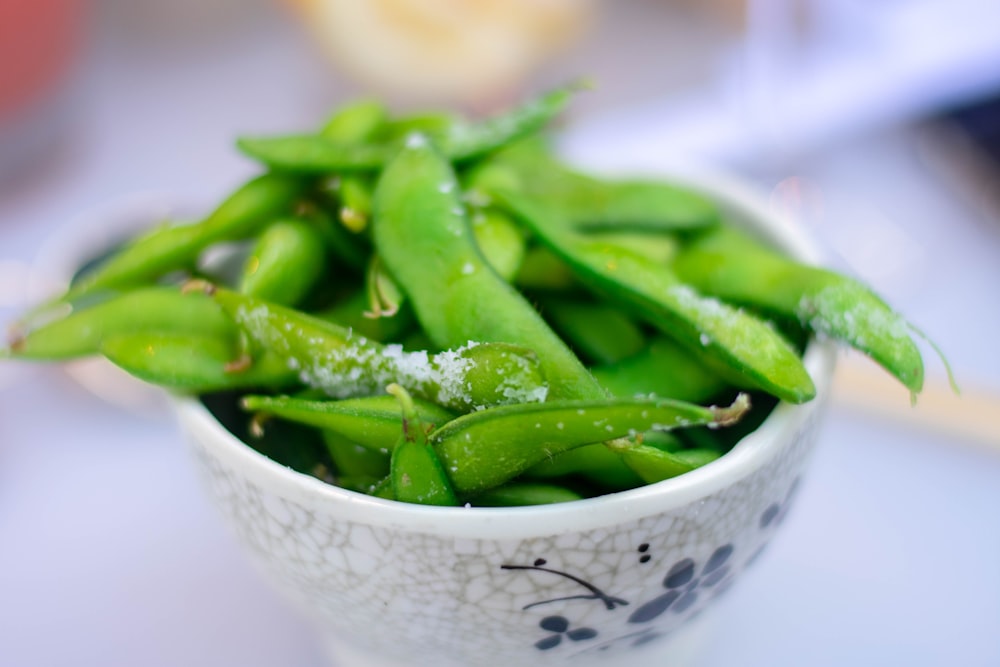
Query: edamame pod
[[422, 234], [485, 449], [356, 122], [415, 469], [354, 461], [192, 363], [519, 494], [663, 368], [500, 240], [461, 141], [243, 214], [146, 310], [736, 267], [371, 421], [736, 342], [435, 124], [423, 237], [655, 465], [332, 358], [285, 263], [595, 203], [600, 332], [542, 270]]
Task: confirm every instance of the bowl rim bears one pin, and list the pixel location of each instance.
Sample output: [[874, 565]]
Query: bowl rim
[[778, 431]]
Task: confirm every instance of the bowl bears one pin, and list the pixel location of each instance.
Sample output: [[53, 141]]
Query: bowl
[[631, 575]]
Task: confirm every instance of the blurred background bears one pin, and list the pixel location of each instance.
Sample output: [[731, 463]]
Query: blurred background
[[874, 124]]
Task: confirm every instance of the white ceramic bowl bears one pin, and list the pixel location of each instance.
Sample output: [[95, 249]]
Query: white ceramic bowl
[[606, 579]]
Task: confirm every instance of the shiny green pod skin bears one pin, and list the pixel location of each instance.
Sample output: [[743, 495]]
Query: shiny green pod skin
[[460, 141], [417, 473], [485, 449], [422, 235], [734, 266], [356, 122], [662, 368], [521, 494], [655, 465], [192, 363], [285, 263], [601, 333], [244, 213], [500, 240], [594, 203], [354, 461], [371, 421], [332, 358], [144, 310], [740, 345]]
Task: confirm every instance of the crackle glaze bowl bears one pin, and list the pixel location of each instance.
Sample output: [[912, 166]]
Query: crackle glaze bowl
[[626, 576]]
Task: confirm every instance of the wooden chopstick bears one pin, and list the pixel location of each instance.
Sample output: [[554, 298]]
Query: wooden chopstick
[[973, 416]]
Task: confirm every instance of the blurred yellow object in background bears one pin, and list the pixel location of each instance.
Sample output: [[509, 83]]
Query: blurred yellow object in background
[[443, 51]]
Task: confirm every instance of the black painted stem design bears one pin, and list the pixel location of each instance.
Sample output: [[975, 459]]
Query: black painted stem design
[[610, 602]]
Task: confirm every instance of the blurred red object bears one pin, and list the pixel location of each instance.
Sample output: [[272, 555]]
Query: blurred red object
[[38, 40]]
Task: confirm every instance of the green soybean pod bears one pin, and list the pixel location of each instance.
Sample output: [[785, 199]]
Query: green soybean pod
[[662, 368], [734, 266], [415, 469], [423, 237], [595, 203], [244, 213], [332, 358], [356, 122], [147, 309], [541, 269], [599, 332], [500, 240], [355, 192], [462, 141], [371, 421], [422, 234], [285, 263], [655, 465], [354, 461], [191, 363], [737, 344], [485, 449], [518, 494], [465, 141], [435, 124]]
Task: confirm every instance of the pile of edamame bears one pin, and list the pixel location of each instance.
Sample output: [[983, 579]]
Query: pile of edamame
[[437, 310]]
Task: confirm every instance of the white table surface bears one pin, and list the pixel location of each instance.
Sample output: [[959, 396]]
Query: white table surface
[[110, 554]]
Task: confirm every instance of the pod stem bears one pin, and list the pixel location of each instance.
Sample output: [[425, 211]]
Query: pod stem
[[411, 421], [944, 360], [732, 414]]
